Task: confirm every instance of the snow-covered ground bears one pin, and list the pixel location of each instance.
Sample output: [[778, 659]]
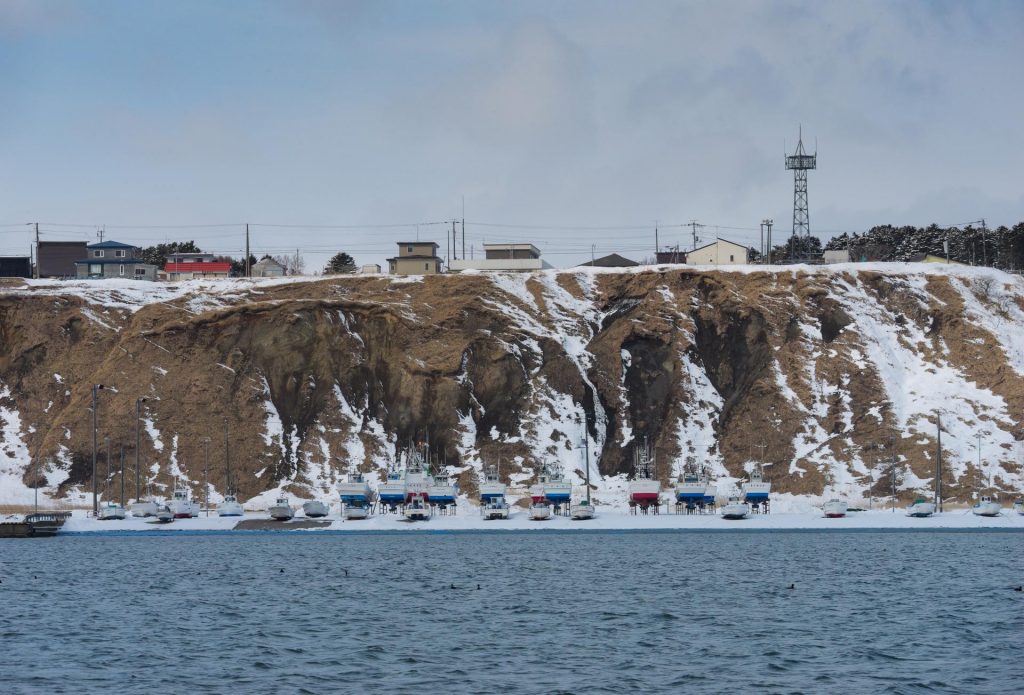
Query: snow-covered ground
[[468, 519]]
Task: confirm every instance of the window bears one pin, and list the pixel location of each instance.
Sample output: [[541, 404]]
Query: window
[[426, 266], [121, 267], [140, 272], [730, 258], [97, 254], [95, 269], [119, 253], [408, 249]]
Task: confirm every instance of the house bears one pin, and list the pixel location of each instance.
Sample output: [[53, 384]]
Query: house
[[519, 257], [56, 259], [194, 266], [267, 268], [370, 269], [835, 256], [415, 258], [931, 258], [15, 267], [719, 252], [612, 260], [673, 255], [112, 259]]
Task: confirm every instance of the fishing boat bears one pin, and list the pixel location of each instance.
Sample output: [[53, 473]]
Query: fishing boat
[[392, 490], [111, 511], [1018, 506], [315, 509], [354, 490], [557, 490], [416, 479], [164, 515], [353, 511], [441, 491], [230, 506], [282, 510], [691, 488], [144, 508], [835, 508], [710, 494], [417, 509], [921, 508], [735, 508], [495, 508], [181, 506], [756, 489], [644, 489], [540, 511], [492, 486], [987, 506]]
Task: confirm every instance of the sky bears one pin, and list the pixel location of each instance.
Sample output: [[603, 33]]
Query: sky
[[577, 126]]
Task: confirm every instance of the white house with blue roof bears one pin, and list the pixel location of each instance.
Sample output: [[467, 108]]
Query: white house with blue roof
[[112, 259]]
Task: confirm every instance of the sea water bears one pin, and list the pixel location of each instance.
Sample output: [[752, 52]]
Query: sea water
[[531, 612]]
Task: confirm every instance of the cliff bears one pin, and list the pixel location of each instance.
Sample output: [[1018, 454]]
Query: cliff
[[829, 374]]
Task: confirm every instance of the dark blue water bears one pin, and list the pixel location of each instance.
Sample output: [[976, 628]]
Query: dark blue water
[[572, 613]]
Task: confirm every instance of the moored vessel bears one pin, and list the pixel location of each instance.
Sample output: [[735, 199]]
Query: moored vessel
[[441, 491], [492, 486], [144, 508], [756, 489], [557, 490], [354, 511], [230, 506], [356, 490], [111, 511], [164, 514], [495, 508], [540, 511], [392, 491], [987, 506], [691, 488], [180, 504], [644, 488], [735, 508], [417, 509], [835, 508], [282, 510], [315, 509], [921, 508]]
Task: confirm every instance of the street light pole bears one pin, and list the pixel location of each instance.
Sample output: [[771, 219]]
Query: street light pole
[[206, 474], [138, 419]]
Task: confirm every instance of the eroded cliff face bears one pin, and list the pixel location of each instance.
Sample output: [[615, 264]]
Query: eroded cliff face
[[830, 375]]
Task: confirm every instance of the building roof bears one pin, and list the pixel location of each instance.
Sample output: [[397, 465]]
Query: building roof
[[716, 241], [196, 267], [418, 243], [264, 262], [413, 258], [111, 245], [101, 261], [612, 260]]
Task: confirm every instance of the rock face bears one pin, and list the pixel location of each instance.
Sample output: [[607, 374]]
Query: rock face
[[827, 375]]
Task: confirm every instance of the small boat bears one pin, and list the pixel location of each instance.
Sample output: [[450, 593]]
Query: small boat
[[416, 479], [230, 506], [495, 508], [835, 508], [1018, 506], [691, 488], [644, 489], [417, 509], [354, 490], [736, 508], [181, 506], [756, 489], [492, 486], [582, 511], [144, 508], [987, 506], [111, 511], [353, 511], [282, 510], [540, 511], [164, 515], [442, 492], [921, 508], [392, 490], [315, 509]]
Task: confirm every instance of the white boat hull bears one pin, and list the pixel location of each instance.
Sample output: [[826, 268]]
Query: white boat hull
[[540, 512], [144, 509], [417, 514], [281, 513], [582, 512], [230, 509], [835, 509], [987, 509], [113, 512], [353, 513], [736, 510], [1019, 507], [315, 509], [164, 516], [921, 510]]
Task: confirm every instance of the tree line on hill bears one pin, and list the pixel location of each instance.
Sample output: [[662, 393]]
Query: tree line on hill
[[1002, 247]]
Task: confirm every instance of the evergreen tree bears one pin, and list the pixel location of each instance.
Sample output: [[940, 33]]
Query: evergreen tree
[[157, 255], [340, 263]]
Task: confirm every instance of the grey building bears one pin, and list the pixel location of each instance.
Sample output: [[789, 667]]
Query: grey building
[[56, 259], [15, 267], [267, 268], [112, 259]]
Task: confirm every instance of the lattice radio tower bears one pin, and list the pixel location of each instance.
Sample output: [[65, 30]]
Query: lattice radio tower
[[801, 162]]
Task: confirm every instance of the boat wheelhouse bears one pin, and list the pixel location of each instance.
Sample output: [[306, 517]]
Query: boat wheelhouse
[[230, 506], [181, 506], [355, 489], [392, 490], [987, 506], [417, 481], [442, 492], [492, 486], [756, 489], [557, 490]]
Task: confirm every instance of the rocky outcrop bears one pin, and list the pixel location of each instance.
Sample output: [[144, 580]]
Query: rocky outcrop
[[829, 376]]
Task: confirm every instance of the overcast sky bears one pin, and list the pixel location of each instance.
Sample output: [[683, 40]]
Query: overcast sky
[[540, 114]]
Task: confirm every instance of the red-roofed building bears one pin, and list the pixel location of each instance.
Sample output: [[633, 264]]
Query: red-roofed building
[[195, 268]]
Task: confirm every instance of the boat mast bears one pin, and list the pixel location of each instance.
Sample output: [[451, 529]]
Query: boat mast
[[586, 462], [938, 462], [227, 458]]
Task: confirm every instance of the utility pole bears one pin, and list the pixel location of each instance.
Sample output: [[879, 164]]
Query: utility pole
[[122, 476], [693, 224], [938, 463], [206, 474], [769, 223], [656, 247], [95, 500], [138, 419], [227, 458], [106, 482], [455, 247], [247, 268], [35, 266], [984, 245], [463, 227]]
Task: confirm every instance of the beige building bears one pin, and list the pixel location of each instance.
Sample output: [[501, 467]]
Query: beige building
[[415, 258], [719, 252]]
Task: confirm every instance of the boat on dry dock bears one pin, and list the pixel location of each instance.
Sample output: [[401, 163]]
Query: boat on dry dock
[[495, 508], [315, 509], [987, 506], [356, 496], [921, 508], [392, 491], [111, 511], [540, 511], [230, 506], [492, 486], [835, 508], [417, 509], [181, 504], [556, 490], [442, 492], [735, 508], [282, 510], [644, 488], [756, 489]]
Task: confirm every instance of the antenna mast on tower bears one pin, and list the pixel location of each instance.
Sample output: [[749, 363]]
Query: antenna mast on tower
[[801, 162]]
